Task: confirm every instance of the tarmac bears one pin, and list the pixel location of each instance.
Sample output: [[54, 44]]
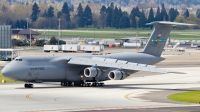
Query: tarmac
[[141, 92]]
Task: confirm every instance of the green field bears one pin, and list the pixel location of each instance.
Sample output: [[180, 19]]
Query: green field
[[7, 80], [119, 33], [190, 97]]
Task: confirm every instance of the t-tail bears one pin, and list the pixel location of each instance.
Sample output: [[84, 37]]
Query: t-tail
[[159, 36]]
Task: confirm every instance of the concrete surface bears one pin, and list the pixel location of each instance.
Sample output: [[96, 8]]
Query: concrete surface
[[126, 94]]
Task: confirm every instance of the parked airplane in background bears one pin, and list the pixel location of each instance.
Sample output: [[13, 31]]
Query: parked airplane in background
[[81, 70], [175, 48]]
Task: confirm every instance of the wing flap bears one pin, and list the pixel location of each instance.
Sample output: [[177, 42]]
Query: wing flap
[[115, 64]]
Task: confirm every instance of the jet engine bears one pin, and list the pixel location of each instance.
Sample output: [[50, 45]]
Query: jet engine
[[117, 75], [92, 72]]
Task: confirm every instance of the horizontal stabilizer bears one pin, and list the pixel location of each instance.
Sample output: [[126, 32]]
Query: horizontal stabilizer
[[170, 23]]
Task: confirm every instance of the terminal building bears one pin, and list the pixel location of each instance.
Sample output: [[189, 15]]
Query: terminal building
[[5, 38]]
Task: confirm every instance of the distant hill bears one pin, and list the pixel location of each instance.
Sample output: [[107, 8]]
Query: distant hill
[[107, 2]]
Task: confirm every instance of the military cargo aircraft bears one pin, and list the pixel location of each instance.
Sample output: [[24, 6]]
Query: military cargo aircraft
[[91, 70]]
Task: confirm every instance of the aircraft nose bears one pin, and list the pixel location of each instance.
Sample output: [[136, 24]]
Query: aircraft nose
[[6, 72]]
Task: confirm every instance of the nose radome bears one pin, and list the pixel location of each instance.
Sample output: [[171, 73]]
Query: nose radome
[[4, 72], [9, 72]]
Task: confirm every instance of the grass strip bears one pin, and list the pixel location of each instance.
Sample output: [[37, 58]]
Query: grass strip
[[190, 97], [7, 80], [103, 34]]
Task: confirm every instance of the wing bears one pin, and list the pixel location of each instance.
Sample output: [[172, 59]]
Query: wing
[[114, 63]]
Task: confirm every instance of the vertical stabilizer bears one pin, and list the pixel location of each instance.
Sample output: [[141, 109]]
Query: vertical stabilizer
[[159, 36]]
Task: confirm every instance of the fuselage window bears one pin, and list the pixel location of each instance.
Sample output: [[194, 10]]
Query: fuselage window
[[16, 59], [20, 59]]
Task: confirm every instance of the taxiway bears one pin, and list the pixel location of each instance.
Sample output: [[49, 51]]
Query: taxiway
[[133, 93], [142, 91]]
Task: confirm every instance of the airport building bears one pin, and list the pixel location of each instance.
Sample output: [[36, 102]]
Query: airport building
[[5, 38], [24, 34]]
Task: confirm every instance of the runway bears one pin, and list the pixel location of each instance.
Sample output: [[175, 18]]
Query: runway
[[147, 93]]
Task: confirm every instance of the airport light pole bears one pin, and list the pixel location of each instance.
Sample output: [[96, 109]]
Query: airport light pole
[[137, 47], [59, 31], [48, 34], [94, 29], [30, 37], [94, 22], [169, 42], [45, 36], [27, 23]]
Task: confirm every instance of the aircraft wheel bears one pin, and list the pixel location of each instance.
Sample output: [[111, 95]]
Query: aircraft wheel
[[81, 85], [26, 85], [97, 84], [84, 84], [78, 84], [31, 85], [72, 84], [89, 84], [65, 84], [94, 84], [62, 84], [69, 84], [102, 84], [75, 84]]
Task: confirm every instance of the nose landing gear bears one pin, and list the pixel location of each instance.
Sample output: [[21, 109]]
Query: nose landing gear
[[28, 85]]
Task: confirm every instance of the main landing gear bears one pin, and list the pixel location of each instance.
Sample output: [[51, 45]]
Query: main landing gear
[[82, 84]]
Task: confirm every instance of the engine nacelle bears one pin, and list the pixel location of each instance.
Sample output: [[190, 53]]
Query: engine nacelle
[[92, 72], [117, 75]]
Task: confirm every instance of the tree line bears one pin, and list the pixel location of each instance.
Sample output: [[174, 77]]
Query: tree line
[[110, 16]]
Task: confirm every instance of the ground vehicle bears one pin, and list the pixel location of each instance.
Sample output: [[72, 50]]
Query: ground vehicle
[[48, 48], [91, 48], [70, 48]]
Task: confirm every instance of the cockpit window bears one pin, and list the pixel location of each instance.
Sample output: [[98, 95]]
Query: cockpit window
[[20, 59]]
